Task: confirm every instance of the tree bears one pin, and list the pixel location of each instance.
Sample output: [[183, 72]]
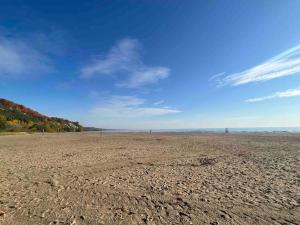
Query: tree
[[3, 122]]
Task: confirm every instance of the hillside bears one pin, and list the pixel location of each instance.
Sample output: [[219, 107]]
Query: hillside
[[16, 117]]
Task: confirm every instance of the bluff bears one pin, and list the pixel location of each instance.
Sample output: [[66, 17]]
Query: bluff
[[17, 117]]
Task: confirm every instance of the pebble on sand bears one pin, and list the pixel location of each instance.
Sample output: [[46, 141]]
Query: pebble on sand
[[2, 213]]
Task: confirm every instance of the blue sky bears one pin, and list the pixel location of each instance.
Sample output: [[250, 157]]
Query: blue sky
[[154, 64]]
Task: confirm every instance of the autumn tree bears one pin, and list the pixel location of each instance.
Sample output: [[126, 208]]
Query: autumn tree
[[3, 122]]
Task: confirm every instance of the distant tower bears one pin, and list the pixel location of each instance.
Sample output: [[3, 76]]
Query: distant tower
[[226, 131]]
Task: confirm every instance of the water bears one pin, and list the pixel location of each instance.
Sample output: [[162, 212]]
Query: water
[[217, 130]]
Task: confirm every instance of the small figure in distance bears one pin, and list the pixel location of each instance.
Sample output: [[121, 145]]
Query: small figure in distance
[[226, 131]]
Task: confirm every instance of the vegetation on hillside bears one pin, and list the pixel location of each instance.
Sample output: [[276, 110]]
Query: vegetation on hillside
[[17, 118]]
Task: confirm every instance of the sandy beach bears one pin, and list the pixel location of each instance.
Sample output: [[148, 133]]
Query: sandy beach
[[135, 178]]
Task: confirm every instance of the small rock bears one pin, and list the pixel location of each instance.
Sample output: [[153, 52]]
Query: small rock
[[225, 216], [214, 223], [73, 222], [2, 213], [54, 182]]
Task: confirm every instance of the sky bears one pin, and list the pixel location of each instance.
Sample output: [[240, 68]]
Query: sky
[[160, 64]]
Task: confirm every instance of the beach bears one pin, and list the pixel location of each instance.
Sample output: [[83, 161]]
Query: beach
[[142, 178]]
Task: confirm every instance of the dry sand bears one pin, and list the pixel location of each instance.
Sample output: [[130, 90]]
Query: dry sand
[[150, 179]]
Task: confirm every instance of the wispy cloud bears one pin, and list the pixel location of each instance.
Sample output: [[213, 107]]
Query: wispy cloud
[[29, 54], [281, 94], [129, 107], [125, 59], [284, 64], [216, 76], [159, 102], [18, 58]]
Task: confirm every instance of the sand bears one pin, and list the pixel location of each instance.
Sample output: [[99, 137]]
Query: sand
[[85, 178]]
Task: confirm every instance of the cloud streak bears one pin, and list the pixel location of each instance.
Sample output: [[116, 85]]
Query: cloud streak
[[19, 58], [125, 59], [129, 107], [282, 94], [284, 64], [159, 102]]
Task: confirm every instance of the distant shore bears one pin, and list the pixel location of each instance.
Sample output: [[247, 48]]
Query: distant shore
[[211, 130], [246, 130]]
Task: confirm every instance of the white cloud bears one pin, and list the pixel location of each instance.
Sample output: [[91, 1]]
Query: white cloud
[[129, 107], [159, 102], [145, 75], [18, 58], [284, 64], [124, 58], [216, 76], [282, 94]]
